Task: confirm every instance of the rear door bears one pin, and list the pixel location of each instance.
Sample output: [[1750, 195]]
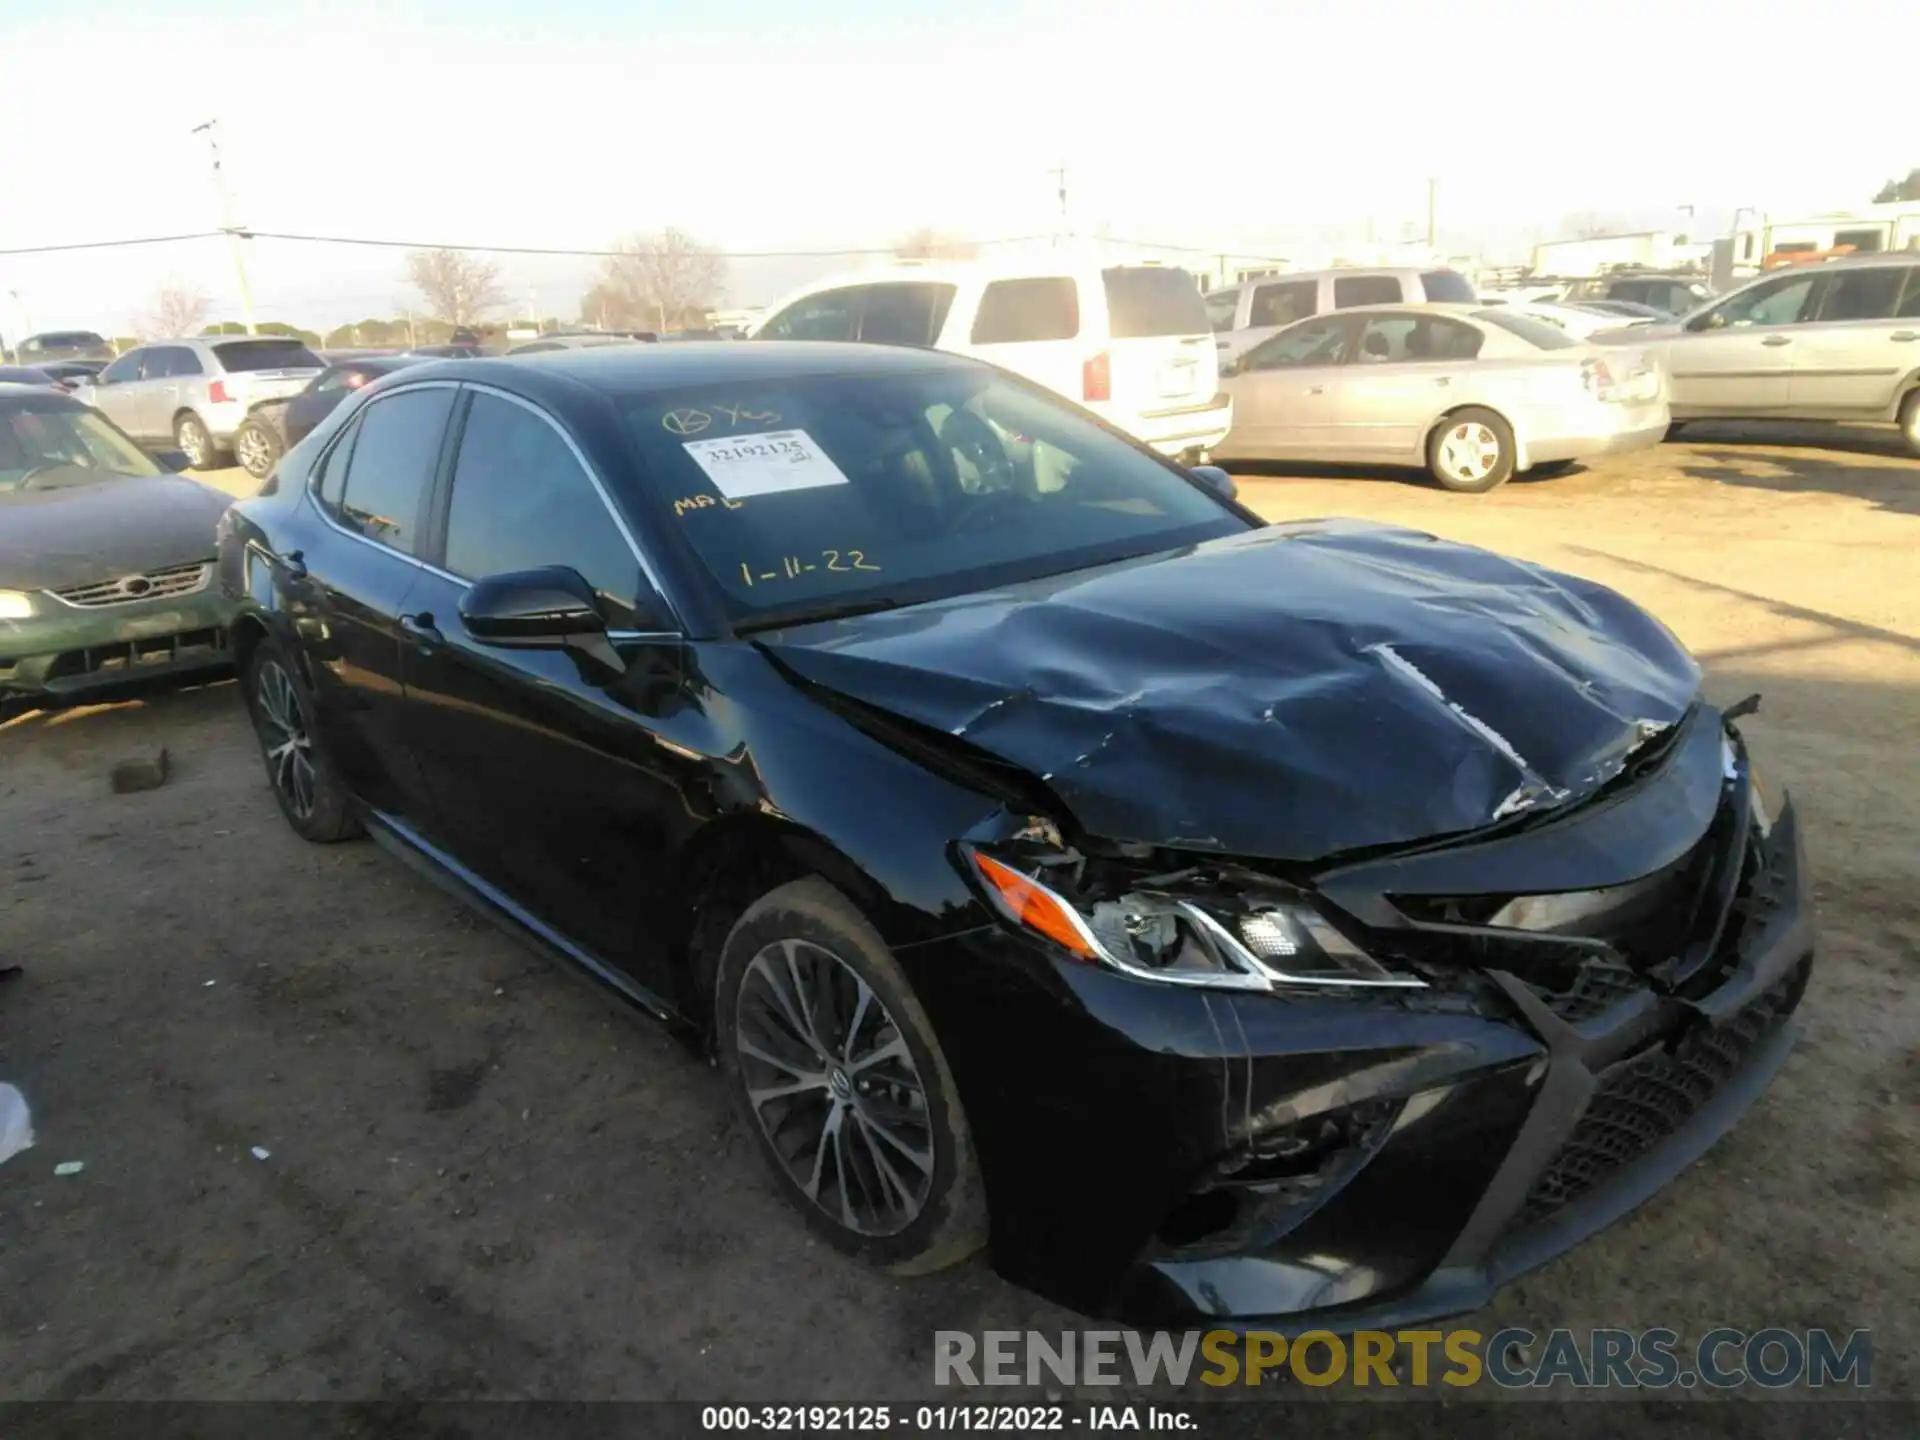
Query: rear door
[[373, 485], [548, 779], [1737, 358], [180, 384], [1160, 348], [1406, 369], [1032, 325], [1283, 392], [1850, 358]]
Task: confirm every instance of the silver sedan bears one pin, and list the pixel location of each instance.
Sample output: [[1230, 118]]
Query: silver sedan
[[1474, 394]]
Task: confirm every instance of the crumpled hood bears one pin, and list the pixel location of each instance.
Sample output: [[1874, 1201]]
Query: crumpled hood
[[1293, 693], [79, 534]]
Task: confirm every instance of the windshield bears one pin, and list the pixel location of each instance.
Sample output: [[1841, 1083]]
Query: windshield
[[54, 446], [1151, 300], [807, 495], [266, 355], [1541, 334]]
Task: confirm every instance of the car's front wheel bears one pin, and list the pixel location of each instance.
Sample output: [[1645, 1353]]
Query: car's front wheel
[[1910, 422], [1471, 451], [195, 441], [257, 448], [311, 796], [834, 1067]]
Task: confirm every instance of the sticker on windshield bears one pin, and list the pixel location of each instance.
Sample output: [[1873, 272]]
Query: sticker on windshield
[[748, 465]]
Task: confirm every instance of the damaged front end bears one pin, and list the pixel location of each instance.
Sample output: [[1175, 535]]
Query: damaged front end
[[1369, 1090]]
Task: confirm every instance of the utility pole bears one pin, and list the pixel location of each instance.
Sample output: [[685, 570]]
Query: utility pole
[[1059, 175], [211, 129], [1433, 210]]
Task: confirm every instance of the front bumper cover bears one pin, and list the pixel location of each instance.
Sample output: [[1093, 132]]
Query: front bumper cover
[[1493, 1132], [67, 651]]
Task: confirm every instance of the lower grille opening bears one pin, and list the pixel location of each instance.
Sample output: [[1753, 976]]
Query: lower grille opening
[[130, 657], [1643, 1100]]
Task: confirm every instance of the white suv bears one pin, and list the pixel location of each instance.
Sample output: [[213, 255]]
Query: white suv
[[1129, 342]]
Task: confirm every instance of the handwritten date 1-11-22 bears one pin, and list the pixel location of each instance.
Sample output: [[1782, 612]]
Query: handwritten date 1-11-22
[[792, 567]]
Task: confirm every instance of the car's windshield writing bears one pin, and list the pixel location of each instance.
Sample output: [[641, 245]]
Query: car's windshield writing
[[915, 485], [57, 446]]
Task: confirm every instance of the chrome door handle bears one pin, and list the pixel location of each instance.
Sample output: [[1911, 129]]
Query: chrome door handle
[[1443, 380], [1316, 390], [1905, 335], [1776, 340]]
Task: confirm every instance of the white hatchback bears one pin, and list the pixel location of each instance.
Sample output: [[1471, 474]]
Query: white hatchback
[[1129, 342]]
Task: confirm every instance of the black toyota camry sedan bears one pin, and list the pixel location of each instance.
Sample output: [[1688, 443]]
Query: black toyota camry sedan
[[1304, 924]]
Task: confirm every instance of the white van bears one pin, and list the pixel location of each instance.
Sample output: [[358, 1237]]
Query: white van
[[1129, 342], [1245, 314]]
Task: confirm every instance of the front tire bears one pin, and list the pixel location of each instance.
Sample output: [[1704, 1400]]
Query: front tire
[[195, 441], [1471, 451], [834, 1068], [257, 448], [304, 782], [1910, 422]]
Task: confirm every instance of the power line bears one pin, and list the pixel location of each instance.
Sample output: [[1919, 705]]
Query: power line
[[594, 254], [109, 244]]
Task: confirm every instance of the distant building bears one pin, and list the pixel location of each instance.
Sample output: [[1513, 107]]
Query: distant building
[[1637, 250], [1867, 229]]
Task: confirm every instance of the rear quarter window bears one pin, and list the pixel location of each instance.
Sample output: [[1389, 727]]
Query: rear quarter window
[[1020, 311], [1147, 300], [1351, 290]]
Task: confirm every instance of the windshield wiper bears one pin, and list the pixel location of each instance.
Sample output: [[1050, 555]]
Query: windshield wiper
[[810, 614]]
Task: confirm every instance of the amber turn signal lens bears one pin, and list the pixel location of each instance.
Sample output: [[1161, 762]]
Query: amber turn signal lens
[[1034, 906]]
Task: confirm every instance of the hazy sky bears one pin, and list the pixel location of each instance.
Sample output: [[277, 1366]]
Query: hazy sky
[[759, 125]]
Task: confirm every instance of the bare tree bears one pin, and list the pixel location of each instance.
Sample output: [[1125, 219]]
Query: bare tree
[[656, 282], [1588, 225], [927, 243], [459, 288], [177, 310]]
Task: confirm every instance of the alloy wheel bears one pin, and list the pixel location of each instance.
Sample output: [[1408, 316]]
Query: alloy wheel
[[284, 737], [253, 452], [835, 1089], [1470, 451], [195, 443]]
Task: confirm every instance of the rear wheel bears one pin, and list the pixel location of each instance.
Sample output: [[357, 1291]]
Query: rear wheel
[[191, 435], [257, 447], [1910, 422], [311, 796], [835, 1069], [1471, 451]]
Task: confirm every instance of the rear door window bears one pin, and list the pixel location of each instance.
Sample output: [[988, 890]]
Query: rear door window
[[830, 315], [905, 314], [1013, 312], [1862, 294], [1447, 285], [1389, 338], [1149, 300], [1910, 297], [266, 355], [1281, 302], [392, 466], [1349, 290]]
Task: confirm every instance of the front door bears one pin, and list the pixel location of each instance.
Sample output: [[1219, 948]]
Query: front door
[[1282, 392], [547, 776], [373, 483], [1853, 354], [118, 391], [1738, 357]]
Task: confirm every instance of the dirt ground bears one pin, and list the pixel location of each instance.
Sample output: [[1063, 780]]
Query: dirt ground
[[477, 1179]]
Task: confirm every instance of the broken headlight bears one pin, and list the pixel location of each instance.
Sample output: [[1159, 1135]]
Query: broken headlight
[[1232, 941]]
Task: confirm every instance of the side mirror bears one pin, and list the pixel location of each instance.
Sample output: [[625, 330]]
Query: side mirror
[[1216, 480], [174, 460], [547, 609]]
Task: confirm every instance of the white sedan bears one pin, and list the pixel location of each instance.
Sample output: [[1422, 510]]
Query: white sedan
[[1475, 394]]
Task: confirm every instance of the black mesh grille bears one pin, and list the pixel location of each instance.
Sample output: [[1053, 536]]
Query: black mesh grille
[[1597, 987], [1641, 1101]]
